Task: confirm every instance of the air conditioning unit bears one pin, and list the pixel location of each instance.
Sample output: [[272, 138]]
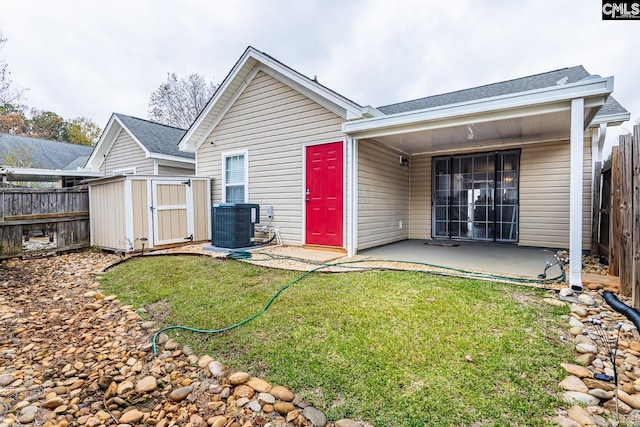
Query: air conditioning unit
[[232, 224]]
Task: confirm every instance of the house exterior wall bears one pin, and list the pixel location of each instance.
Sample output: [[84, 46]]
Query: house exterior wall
[[107, 215], [126, 153], [544, 195], [420, 213], [273, 122], [383, 195], [173, 170]]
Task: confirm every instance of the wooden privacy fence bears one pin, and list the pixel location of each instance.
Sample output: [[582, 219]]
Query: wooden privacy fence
[[622, 219], [64, 212]]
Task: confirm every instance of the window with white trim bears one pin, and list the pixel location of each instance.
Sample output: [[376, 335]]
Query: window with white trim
[[127, 171], [234, 177]]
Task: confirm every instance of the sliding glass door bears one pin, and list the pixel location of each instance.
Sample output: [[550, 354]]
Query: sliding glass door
[[475, 196]]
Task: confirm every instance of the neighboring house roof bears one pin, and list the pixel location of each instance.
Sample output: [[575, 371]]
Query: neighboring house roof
[[45, 154], [536, 81], [155, 139], [252, 61]]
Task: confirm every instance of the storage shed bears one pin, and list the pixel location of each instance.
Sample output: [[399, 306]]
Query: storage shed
[[128, 211]]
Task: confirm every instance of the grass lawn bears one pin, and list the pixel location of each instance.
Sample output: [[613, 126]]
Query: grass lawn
[[383, 347]]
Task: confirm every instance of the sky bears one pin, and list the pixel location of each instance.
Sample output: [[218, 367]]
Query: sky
[[85, 58]]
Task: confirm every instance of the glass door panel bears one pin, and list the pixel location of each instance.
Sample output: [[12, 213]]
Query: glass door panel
[[475, 196], [507, 201], [441, 196]]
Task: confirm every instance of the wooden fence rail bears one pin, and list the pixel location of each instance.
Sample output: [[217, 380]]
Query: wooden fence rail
[[64, 212]]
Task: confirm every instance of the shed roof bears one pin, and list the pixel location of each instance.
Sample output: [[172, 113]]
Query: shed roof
[[45, 154], [522, 84]]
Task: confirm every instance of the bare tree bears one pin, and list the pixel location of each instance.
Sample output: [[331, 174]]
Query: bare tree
[[10, 94], [178, 101]]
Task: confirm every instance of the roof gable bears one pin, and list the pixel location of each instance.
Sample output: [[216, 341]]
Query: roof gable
[[239, 78], [155, 139], [45, 154]]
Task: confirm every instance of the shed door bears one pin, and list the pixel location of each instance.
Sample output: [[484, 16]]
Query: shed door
[[324, 194], [172, 212]]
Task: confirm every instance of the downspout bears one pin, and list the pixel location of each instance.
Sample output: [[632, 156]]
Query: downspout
[[575, 193]]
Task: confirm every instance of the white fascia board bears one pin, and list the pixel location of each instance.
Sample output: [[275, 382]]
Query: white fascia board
[[102, 146], [50, 172], [223, 111], [172, 158], [325, 97], [188, 143], [539, 97], [610, 119], [313, 90], [372, 111]]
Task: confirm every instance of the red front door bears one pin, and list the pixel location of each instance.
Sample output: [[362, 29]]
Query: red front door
[[324, 194]]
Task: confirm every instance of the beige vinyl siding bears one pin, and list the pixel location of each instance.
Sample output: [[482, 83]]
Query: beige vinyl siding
[[108, 215], [383, 195], [273, 122], [420, 214], [544, 195], [173, 170], [125, 153], [201, 208], [140, 211]]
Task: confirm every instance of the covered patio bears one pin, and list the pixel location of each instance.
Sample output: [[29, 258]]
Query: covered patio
[[543, 129]]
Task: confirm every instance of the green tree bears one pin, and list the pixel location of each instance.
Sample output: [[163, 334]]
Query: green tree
[[46, 125], [82, 131], [177, 102], [19, 156]]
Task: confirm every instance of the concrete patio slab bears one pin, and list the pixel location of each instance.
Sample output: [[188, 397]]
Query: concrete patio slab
[[494, 258], [312, 255]]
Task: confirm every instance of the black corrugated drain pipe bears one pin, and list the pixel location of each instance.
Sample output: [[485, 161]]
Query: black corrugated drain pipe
[[630, 312]]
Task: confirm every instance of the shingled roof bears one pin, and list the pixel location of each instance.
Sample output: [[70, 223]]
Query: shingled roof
[[536, 81], [45, 154], [156, 137]]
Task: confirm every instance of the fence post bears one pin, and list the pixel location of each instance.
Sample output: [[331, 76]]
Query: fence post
[[626, 214], [635, 280], [614, 214]]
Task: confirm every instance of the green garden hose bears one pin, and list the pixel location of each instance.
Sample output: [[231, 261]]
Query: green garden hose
[[243, 255]]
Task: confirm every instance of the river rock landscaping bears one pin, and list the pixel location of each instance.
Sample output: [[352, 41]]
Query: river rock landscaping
[[72, 356]]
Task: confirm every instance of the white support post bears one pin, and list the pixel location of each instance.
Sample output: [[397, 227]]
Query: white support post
[[575, 194], [352, 200]]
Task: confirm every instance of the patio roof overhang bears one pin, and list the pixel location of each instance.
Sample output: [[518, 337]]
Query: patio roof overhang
[[44, 175], [518, 118], [558, 112]]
